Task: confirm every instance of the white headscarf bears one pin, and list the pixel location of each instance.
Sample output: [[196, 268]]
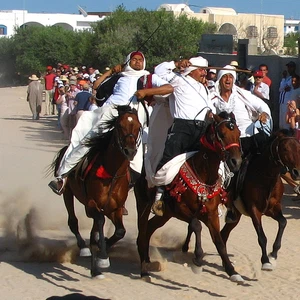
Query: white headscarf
[[196, 62], [128, 71], [229, 70], [221, 73]]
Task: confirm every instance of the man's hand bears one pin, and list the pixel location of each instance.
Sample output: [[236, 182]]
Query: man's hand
[[116, 69], [140, 94], [182, 64], [263, 117]]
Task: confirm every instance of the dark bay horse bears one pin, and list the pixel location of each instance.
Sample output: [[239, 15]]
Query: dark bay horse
[[195, 193], [102, 187], [262, 190]]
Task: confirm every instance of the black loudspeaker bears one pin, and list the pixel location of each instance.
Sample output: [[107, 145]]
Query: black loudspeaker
[[242, 53]]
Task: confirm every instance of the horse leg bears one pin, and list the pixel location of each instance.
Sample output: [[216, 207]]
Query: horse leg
[[196, 227], [143, 206], [185, 247], [73, 222], [228, 227], [213, 225], [153, 224], [117, 219], [262, 239], [281, 226], [99, 258]]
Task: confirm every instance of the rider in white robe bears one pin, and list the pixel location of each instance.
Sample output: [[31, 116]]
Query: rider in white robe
[[124, 93]]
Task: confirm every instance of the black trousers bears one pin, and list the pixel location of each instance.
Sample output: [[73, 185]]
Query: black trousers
[[254, 144], [183, 136]]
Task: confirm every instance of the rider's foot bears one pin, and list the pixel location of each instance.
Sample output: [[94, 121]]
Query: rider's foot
[[231, 216], [57, 186], [158, 205], [158, 208]]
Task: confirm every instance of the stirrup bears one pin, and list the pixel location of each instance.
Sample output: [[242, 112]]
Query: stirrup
[[57, 186], [158, 208], [297, 189]]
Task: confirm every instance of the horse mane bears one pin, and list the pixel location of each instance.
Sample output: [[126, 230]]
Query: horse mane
[[100, 141]]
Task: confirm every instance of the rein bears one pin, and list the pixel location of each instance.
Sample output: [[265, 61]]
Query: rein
[[277, 159]]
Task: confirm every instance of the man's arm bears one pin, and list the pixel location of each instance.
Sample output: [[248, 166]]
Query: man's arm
[[162, 90], [116, 69]]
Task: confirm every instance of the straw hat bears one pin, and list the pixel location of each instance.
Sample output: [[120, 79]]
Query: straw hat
[[33, 77]]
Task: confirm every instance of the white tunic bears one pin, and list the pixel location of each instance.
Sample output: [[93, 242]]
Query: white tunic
[[90, 121], [245, 107]]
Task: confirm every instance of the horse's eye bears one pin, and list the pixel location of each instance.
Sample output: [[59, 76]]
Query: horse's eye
[[230, 126]]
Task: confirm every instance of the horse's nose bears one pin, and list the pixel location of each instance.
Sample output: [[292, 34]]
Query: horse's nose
[[295, 174], [130, 152], [234, 164]]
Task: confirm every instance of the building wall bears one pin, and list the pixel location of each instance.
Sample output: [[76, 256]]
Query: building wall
[[240, 22], [11, 19]]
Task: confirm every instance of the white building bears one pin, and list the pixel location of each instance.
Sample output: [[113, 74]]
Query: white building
[[11, 19], [265, 32], [291, 26]]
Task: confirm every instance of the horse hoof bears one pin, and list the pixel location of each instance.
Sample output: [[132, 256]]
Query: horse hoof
[[272, 260], [237, 278], [100, 276], [102, 263], [146, 278], [267, 267], [196, 269], [151, 267], [198, 262], [84, 252]]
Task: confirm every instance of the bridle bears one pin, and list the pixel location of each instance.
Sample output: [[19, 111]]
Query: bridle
[[121, 140], [217, 143]]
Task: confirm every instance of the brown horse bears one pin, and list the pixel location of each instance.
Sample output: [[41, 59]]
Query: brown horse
[[197, 191], [262, 190], [102, 187]]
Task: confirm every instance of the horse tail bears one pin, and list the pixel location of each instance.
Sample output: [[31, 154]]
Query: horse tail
[[53, 167]]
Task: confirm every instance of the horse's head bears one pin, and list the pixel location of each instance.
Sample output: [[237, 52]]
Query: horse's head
[[285, 150], [223, 136], [128, 131]]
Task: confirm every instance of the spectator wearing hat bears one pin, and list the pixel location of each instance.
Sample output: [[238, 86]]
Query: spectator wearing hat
[[71, 94], [234, 63], [265, 70], [211, 79], [260, 89], [62, 103], [49, 89], [35, 96], [57, 81], [285, 94], [82, 101]]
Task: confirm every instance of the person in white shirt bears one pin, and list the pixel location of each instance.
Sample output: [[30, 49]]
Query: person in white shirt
[[124, 93], [189, 105], [247, 109], [260, 89]]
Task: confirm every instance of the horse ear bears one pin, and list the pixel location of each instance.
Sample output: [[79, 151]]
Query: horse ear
[[216, 118]]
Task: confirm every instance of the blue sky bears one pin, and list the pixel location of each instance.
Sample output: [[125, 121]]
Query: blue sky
[[288, 8]]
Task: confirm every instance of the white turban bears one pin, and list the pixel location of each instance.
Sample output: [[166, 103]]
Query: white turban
[[196, 62], [229, 70]]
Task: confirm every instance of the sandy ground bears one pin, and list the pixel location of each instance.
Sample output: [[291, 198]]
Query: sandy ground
[[38, 254]]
